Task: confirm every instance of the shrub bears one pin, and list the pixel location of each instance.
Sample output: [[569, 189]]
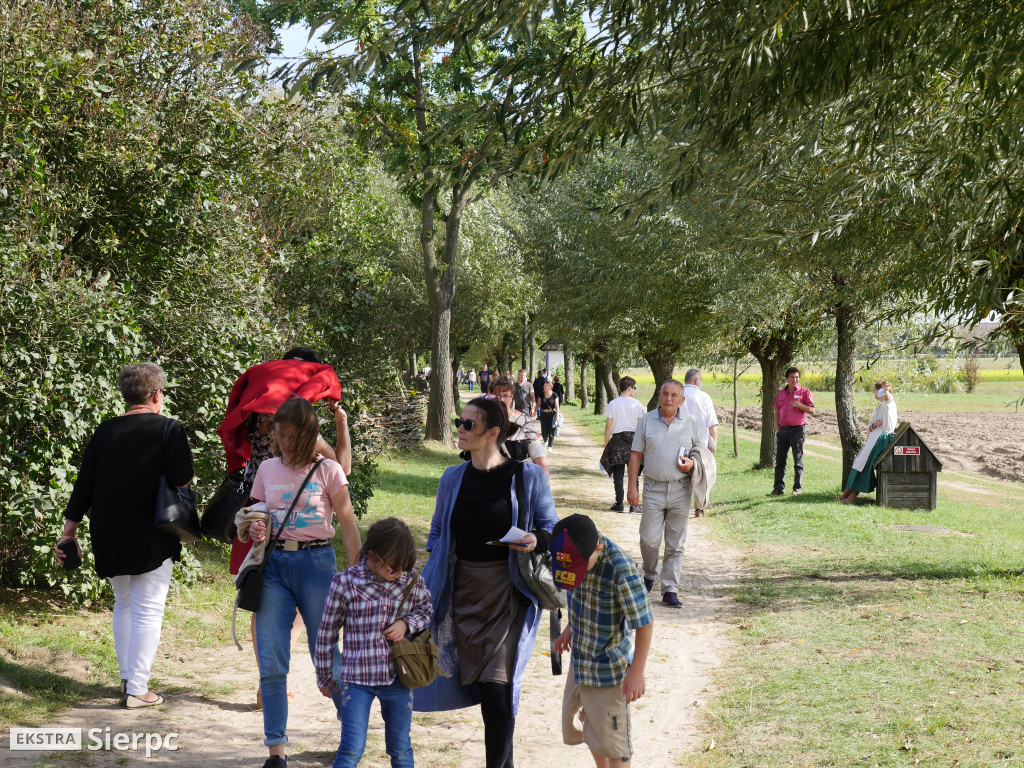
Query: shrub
[[969, 370]]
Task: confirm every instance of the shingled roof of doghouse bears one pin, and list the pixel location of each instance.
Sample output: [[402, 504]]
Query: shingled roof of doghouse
[[889, 461]]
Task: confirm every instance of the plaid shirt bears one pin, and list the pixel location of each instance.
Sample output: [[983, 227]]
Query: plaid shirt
[[603, 613], [366, 605]]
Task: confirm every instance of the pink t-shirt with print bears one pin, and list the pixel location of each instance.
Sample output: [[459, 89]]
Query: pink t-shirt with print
[[276, 485]]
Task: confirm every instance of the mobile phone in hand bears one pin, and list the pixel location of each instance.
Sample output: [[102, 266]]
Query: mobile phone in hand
[[71, 557]]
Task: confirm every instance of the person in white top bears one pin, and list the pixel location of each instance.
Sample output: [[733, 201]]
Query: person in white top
[[698, 404], [471, 378], [621, 417], [882, 425]]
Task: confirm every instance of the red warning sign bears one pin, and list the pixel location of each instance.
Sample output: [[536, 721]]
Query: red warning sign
[[907, 450]]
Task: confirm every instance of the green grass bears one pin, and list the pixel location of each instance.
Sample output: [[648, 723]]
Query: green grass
[[861, 645]]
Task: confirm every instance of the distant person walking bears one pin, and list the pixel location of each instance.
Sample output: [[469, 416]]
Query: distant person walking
[[621, 417], [526, 444], [471, 379], [485, 379], [522, 393], [547, 411], [558, 389], [538, 389], [698, 404], [882, 425], [662, 443]]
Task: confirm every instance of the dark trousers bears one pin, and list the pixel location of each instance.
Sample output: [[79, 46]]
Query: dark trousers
[[786, 438], [547, 428], [618, 477]]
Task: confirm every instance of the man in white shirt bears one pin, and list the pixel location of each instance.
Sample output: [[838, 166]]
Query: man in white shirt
[[698, 404], [621, 417]]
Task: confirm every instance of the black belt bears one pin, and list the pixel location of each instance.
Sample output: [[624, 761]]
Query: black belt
[[290, 545]]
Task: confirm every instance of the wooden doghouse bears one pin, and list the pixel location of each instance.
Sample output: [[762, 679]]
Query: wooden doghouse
[[907, 472]]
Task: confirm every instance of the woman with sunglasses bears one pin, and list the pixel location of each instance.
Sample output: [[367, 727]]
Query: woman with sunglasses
[[485, 618]]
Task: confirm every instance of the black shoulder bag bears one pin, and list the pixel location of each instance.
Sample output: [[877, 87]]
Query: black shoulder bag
[[249, 582], [218, 521], [535, 569], [176, 507]]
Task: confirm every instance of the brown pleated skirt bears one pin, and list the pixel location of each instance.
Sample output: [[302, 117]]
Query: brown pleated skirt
[[488, 613]]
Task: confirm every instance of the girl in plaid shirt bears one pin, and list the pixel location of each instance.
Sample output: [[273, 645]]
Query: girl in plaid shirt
[[365, 599]]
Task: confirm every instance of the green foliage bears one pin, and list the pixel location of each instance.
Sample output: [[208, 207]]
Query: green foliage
[[156, 203]]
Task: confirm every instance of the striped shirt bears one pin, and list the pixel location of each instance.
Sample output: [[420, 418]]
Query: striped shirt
[[604, 611], [366, 605]]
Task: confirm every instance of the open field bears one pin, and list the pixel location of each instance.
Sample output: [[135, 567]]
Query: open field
[[996, 388]]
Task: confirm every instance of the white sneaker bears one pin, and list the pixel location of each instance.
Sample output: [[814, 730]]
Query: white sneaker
[[551, 449]]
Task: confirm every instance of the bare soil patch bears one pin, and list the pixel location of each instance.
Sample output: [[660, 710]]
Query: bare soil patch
[[989, 444]]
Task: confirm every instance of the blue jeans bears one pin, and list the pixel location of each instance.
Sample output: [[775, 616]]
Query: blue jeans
[[291, 580], [395, 709]]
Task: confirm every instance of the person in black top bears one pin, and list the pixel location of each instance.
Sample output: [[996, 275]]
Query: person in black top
[[488, 617], [117, 486], [547, 409], [538, 389], [558, 389]]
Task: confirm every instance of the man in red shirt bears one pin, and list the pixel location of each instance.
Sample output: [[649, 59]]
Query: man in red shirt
[[792, 405]]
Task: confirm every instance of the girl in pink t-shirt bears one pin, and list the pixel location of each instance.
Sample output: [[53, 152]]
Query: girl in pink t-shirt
[[301, 565]]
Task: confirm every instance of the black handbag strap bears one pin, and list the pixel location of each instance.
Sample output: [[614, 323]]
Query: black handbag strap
[[288, 514], [521, 497]]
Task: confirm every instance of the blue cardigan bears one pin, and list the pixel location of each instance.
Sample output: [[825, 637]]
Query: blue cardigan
[[439, 573]]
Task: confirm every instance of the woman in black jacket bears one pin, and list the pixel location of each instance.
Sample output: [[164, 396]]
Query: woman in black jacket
[[117, 486]]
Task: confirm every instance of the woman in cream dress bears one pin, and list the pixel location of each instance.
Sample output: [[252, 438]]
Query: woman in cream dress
[[883, 424]]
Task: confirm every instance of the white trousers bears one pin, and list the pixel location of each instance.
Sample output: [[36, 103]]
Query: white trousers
[[138, 615], [666, 512]]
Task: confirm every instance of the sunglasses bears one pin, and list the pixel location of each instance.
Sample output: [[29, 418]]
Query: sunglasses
[[466, 424]]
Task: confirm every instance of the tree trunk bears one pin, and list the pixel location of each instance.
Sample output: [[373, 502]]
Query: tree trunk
[[584, 396], [570, 375], [455, 384], [600, 390], [506, 359], [662, 363], [773, 351], [611, 385], [616, 377], [735, 408], [846, 409], [532, 370], [525, 357]]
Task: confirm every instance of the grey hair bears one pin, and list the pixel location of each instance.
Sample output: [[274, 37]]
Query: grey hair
[[692, 375], [670, 381], [139, 381]]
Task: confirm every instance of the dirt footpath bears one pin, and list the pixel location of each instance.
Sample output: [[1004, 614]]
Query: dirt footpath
[[987, 444], [222, 729]]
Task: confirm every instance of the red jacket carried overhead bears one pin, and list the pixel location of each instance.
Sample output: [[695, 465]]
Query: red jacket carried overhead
[[262, 389]]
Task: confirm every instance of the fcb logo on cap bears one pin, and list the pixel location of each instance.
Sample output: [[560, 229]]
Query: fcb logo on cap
[[573, 541]]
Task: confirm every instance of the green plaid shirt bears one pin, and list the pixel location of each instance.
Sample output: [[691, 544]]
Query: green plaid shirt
[[603, 612]]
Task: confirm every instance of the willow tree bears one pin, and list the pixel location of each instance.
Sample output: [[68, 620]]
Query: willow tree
[[423, 105]]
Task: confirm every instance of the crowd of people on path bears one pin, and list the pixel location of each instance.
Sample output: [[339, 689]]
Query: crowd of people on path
[[471, 595]]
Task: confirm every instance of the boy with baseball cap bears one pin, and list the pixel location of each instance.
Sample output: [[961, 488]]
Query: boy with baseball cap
[[607, 605]]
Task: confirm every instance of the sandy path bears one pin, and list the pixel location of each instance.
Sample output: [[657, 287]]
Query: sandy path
[[221, 729]]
